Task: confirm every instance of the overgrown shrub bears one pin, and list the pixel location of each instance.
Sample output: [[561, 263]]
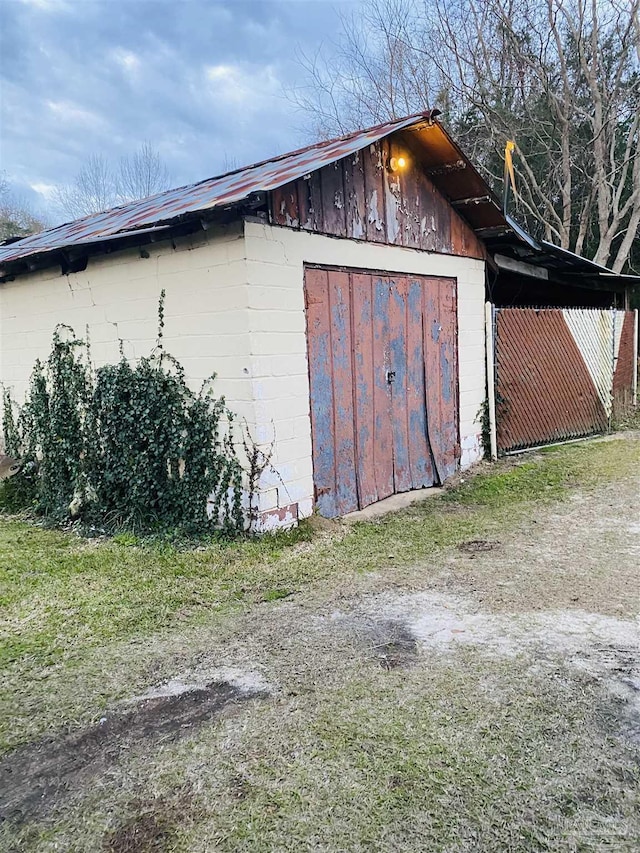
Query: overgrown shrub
[[123, 446]]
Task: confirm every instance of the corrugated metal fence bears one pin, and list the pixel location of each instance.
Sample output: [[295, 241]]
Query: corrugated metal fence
[[561, 373]]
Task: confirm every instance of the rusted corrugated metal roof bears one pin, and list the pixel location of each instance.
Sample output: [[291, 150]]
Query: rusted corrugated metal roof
[[215, 192]]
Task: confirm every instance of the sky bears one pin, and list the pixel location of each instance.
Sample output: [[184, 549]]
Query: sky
[[204, 81]]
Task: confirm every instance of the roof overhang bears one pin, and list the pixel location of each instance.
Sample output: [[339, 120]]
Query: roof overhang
[[515, 251], [455, 176], [240, 191]]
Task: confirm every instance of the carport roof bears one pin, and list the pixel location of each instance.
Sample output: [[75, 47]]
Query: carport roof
[[558, 262]]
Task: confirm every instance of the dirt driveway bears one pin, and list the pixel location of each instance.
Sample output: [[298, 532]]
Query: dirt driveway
[[484, 699]]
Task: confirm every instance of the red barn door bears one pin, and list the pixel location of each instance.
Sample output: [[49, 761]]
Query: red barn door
[[383, 382]]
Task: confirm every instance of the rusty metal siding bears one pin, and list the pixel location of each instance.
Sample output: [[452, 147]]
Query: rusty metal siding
[[557, 372], [357, 197], [596, 334], [544, 391], [383, 384], [625, 365]]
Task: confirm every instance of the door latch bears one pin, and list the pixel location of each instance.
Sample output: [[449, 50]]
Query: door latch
[[391, 375]]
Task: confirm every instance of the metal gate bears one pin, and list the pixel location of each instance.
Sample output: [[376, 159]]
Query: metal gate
[[560, 373], [383, 383]]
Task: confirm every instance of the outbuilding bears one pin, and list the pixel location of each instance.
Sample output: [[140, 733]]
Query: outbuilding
[[337, 291]]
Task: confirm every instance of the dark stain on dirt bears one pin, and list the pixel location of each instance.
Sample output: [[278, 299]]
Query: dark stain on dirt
[[150, 830], [394, 645], [240, 787], [477, 546], [619, 714], [36, 776], [152, 825]]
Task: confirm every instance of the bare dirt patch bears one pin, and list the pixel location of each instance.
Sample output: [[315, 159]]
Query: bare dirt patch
[[37, 776], [581, 553], [600, 648]]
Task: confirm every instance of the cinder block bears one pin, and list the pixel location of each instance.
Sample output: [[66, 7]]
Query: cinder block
[[292, 450], [278, 365], [273, 275], [278, 343], [297, 490], [273, 410], [305, 508], [267, 499], [469, 398], [277, 321], [280, 518], [269, 248], [280, 388], [472, 351], [276, 298], [302, 425]]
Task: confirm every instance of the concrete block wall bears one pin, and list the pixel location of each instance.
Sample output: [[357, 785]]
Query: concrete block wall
[[275, 258], [206, 319]]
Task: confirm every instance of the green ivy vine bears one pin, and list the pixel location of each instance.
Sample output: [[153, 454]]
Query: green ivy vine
[[123, 446]]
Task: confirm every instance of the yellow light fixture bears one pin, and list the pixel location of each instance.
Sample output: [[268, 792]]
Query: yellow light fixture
[[396, 164]]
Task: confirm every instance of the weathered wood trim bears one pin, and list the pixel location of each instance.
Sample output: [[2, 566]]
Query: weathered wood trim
[[358, 197]]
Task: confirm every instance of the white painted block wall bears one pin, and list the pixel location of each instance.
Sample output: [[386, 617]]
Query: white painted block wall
[[206, 318]]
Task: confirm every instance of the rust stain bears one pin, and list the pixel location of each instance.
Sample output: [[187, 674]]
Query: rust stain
[[624, 369]]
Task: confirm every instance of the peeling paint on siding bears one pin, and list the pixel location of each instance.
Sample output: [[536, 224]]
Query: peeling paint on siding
[[358, 197]]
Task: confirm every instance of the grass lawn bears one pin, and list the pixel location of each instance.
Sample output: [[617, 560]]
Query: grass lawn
[[513, 749]]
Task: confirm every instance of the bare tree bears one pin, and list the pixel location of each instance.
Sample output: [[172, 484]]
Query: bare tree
[[93, 190], [99, 186], [17, 219], [561, 77], [371, 74], [142, 174]]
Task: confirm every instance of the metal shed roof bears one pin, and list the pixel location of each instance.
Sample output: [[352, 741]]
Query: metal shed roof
[[557, 261], [218, 192], [447, 166]]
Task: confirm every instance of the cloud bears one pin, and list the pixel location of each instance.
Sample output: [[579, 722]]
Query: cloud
[[45, 190], [75, 115], [126, 59], [242, 87], [202, 80]]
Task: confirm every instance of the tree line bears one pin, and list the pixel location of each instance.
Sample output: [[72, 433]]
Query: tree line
[[559, 77]]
